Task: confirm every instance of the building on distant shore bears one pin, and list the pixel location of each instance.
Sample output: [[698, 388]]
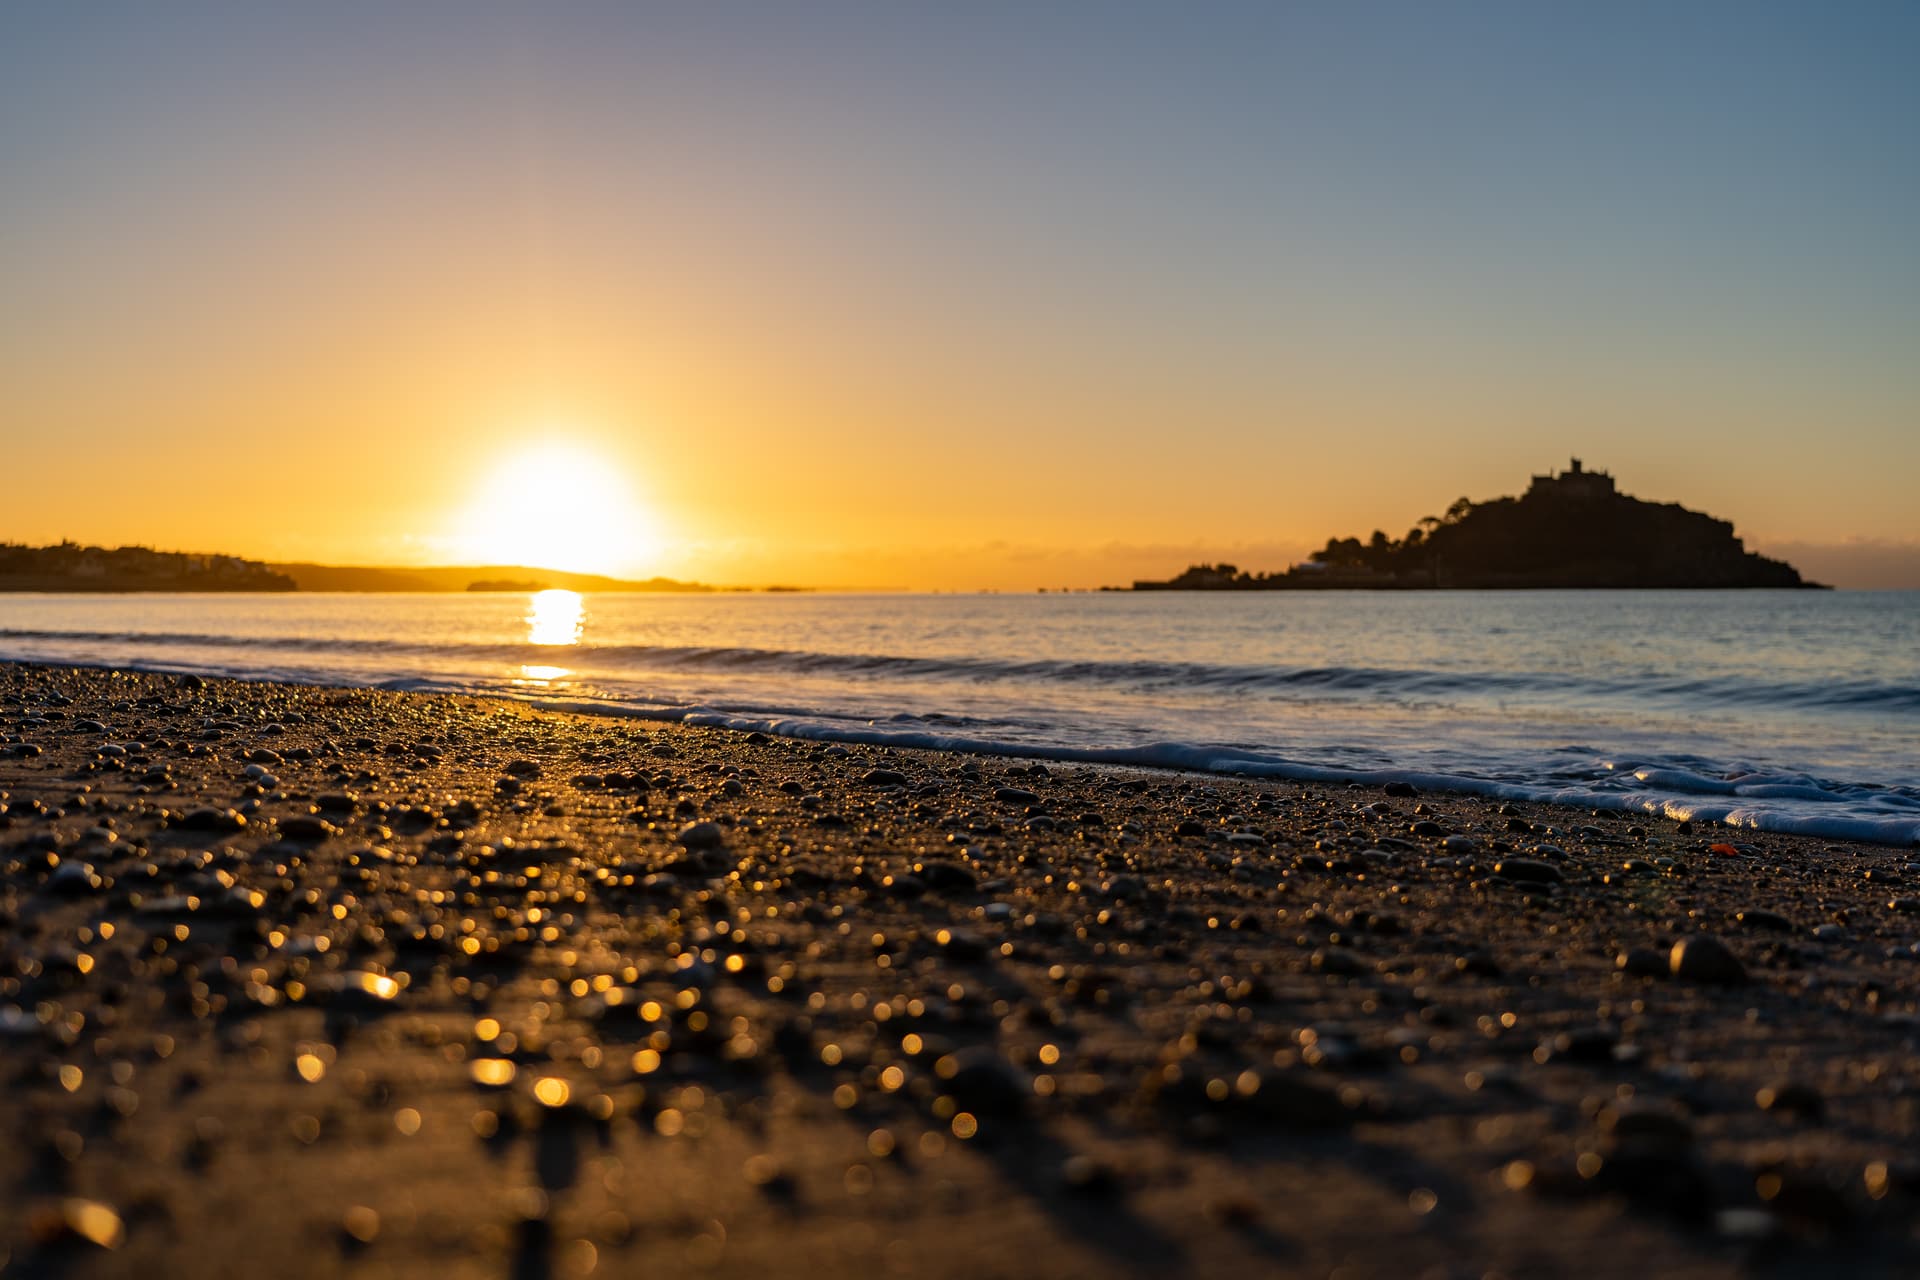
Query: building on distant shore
[[1573, 483], [1571, 530]]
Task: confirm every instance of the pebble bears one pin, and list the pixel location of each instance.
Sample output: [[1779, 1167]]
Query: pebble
[[305, 829], [72, 879], [207, 818], [75, 1219], [1754, 918], [702, 835], [1792, 1098], [1703, 958], [1644, 962], [1528, 871], [944, 875]]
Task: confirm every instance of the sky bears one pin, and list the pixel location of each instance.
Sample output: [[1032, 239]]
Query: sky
[[950, 297]]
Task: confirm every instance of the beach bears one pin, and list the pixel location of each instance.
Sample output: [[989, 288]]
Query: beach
[[305, 981]]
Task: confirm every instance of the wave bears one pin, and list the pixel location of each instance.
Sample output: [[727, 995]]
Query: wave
[[1387, 683], [1676, 786], [1883, 815]]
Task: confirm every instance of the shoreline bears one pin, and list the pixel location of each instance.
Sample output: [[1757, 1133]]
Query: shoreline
[[319, 979], [1703, 801]]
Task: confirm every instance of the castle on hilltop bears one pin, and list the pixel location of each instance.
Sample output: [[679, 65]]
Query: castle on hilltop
[[1582, 486], [1571, 530]]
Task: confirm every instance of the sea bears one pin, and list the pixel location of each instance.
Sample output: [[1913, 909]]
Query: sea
[[1784, 711]]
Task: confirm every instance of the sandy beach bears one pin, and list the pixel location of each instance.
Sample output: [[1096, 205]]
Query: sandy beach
[[303, 981]]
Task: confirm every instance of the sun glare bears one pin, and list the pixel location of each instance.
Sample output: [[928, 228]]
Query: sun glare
[[555, 617], [558, 506]]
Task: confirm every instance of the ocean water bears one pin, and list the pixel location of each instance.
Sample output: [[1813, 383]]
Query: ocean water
[[1790, 711]]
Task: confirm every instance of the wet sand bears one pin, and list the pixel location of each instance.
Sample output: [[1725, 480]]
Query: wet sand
[[302, 981]]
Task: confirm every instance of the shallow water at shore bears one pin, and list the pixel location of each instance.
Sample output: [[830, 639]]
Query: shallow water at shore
[[1781, 710]]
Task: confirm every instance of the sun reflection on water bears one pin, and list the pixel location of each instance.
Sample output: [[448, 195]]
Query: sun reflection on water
[[555, 619]]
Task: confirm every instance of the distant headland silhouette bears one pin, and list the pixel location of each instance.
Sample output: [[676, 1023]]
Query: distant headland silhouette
[[71, 567], [1574, 529]]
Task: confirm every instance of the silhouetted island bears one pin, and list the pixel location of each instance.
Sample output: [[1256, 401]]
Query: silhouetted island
[[1574, 529], [515, 585]]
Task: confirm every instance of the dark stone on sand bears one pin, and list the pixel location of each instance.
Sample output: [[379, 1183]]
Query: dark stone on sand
[[1479, 963], [73, 879], [1703, 958], [1644, 962], [702, 835], [963, 947], [906, 886], [1792, 1098], [884, 778], [211, 819], [1590, 1044], [1427, 827], [306, 829], [1402, 790], [1015, 795], [1754, 918], [1646, 1120], [945, 876], [1529, 871], [522, 769], [1084, 1175]]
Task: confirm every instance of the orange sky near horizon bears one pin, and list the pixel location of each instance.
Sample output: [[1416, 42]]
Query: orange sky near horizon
[[820, 314]]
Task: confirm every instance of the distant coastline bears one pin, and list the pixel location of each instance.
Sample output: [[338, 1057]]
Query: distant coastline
[[475, 578], [68, 566], [1571, 530], [71, 567]]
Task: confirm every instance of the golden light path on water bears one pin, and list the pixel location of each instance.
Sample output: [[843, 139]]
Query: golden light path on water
[[555, 619]]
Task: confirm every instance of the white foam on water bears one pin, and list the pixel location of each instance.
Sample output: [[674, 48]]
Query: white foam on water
[[1671, 793], [1787, 712]]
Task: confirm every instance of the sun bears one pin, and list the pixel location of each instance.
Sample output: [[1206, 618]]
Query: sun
[[558, 505]]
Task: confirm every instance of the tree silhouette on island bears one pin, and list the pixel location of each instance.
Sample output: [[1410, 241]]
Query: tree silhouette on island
[[1574, 529]]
